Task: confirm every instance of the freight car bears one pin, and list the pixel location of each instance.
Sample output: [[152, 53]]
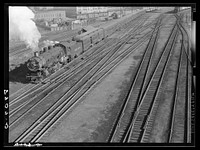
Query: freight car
[[89, 38]]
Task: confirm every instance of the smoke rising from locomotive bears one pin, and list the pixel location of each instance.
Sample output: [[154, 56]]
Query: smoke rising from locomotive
[[22, 27]]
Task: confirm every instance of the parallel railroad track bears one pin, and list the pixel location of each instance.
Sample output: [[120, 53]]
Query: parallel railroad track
[[134, 121], [180, 123], [190, 99], [91, 72]]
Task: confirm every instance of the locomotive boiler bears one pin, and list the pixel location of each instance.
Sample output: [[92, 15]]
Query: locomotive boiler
[[46, 61]]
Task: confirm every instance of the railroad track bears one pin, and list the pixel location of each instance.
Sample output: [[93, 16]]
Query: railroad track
[[180, 123], [186, 39], [134, 121], [91, 77], [140, 127], [21, 51], [27, 88], [190, 99], [176, 120]]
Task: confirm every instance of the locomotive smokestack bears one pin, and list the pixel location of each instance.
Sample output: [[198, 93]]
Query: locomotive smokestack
[[22, 27]]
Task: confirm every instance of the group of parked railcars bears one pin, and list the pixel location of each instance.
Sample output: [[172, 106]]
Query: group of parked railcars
[[51, 58]]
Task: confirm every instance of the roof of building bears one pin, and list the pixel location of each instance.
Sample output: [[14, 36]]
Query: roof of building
[[47, 11], [70, 12]]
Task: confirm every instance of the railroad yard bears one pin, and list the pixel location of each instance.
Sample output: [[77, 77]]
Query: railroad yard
[[135, 86]]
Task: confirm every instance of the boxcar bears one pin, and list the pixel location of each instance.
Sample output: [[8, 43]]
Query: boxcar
[[95, 37], [89, 30], [73, 49], [86, 42], [101, 34]]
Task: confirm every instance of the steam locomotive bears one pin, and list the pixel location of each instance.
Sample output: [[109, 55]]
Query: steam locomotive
[[56, 54]]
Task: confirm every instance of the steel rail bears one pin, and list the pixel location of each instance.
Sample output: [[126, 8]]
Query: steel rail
[[147, 54], [144, 109]]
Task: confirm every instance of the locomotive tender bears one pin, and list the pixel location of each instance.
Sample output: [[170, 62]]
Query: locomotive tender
[[55, 55]]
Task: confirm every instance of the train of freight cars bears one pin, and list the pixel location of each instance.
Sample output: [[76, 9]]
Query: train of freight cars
[[54, 56]]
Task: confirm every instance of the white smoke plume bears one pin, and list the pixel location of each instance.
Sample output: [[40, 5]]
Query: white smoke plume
[[22, 27], [48, 43]]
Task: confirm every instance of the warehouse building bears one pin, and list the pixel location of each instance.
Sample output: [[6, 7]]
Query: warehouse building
[[49, 14]]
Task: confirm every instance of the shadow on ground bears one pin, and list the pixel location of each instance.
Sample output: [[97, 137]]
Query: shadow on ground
[[19, 74]]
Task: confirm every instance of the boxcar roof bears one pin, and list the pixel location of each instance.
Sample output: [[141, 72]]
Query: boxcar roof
[[89, 30]]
